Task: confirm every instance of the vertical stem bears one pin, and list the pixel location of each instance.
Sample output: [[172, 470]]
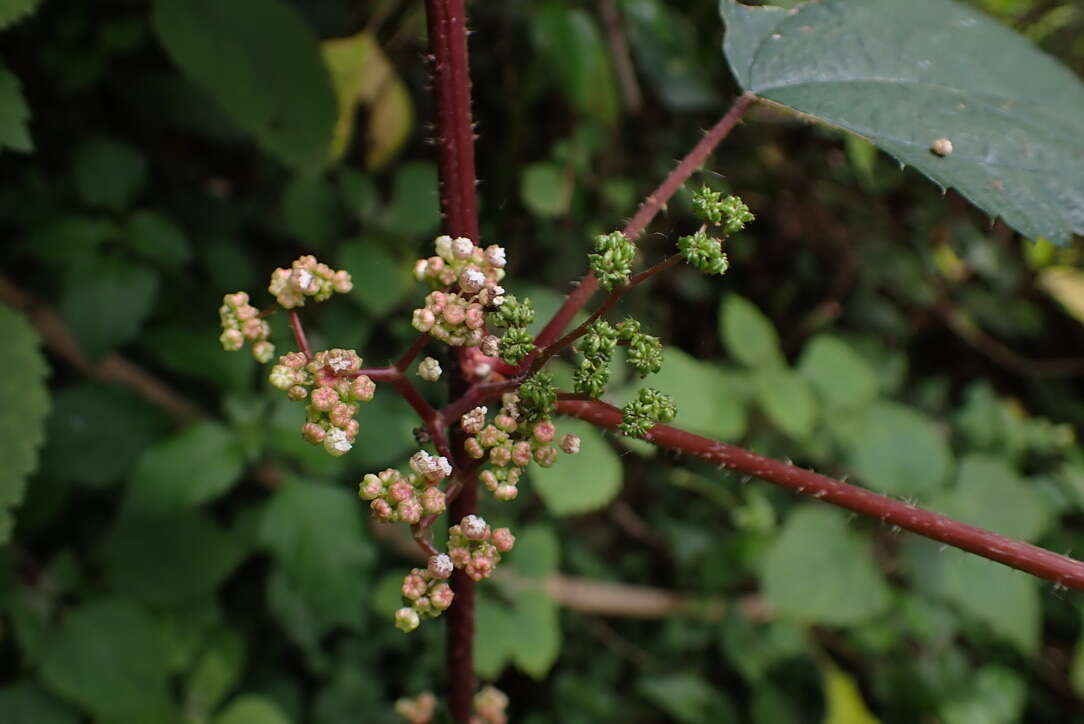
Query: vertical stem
[[447, 24], [299, 334]]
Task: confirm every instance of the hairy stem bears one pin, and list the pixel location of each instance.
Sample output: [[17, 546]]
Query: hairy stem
[[647, 211], [1060, 569], [299, 334], [447, 27]]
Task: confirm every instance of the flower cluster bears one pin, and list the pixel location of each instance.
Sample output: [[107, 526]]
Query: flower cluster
[[425, 593], [511, 443], [514, 315], [730, 212], [597, 346], [419, 710], [649, 407], [307, 277], [476, 549], [398, 498], [457, 318], [240, 323], [336, 390], [612, 260], [489, 706], [704, 252]]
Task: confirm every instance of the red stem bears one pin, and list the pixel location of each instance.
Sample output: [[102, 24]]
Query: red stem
[[299, 334], [647, 211], [459, 207], [1060, 569], [403, 362]]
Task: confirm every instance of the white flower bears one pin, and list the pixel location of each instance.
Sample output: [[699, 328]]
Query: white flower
[[443, 246], [495, 256], [429, 369], [336, 442], [482, 370], [420, 268], [462, 248]]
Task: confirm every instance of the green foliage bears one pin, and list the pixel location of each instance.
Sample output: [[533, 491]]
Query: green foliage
[[1012, 114], [24, 403], [14, 114], [749, 336], [108, 174], [12, 11], [583, 482], [260, 63]]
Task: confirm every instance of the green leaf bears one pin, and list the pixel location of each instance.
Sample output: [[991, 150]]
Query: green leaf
[[575, 57], [904, 75], [841, 377], [12, 11], [994, 695], [583, 482], [989, 494], [157, 239], [198, 464], [1076, 670], [415, 204], [688, 698], [749, 336], [25, 703], [108, 174], [897, 450], [708, 401], [363, 76], [215, 673], [169, 560], [311, 209], [14, 113], [24, 403], [198, 354], [842, 698], [820, 571], [537, 553], [495, 641], [787, 400], [252, 709], [538, 635], [96, 431], [666, 47], [107, 657], [261, 63], [545, 189], [107, 302], [1004, 599], [316, 535], [380, 280]]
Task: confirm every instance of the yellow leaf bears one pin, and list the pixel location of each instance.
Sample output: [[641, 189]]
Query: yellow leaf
[[843, 701], [362, 76], [1065, 284]]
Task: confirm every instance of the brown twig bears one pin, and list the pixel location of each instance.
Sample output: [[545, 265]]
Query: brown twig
[[1062, 570]]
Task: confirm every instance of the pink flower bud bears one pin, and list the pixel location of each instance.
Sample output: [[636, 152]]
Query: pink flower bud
[[475, 317], [494, 256], [462, 248], [544, 431], [521, 454], [362, 388], [570, 444], [479, 568], [500, 455], [313, 433], [370, 487], [399, 491], [232, 340], [409, 511], [342, 282], [440, 566], [460, 556], [506, 492], [454, 313], [545, 456], [253, 329], [341, 412], [490, 436], [474, 448], [382, 511], [237, 299], [351, 429], [414, 585], [421, 269], [389, 476], [505, 422], [294, 360], [423, 320], [488, 479], [324, 398], [474, 528], [441, 597], [503, 540], [297, 393], [433, 501]]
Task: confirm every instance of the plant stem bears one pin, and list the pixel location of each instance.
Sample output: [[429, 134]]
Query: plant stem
[[299, 334], [447, 26], [1062, 570], [647, 211]]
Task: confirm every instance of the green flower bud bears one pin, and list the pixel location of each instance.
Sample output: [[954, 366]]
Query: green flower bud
[[612, 260], [704, 252]]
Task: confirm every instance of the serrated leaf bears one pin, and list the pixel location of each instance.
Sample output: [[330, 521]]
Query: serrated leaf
[[252, 709], [12, 11], [14, 114], [108, 174], [169, 560], [582, 482], [841, 377], [898, 450], [107, 302], [24, 403], [107, 657], [196, 465], [1004, 599], [96, 432], [362, 75], [261, 64], [906, 74], [787, 400], [749, 336], [820, 571], [315, 533]]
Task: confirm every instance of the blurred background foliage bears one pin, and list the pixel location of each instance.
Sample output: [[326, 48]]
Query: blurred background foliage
[[175, 553]]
